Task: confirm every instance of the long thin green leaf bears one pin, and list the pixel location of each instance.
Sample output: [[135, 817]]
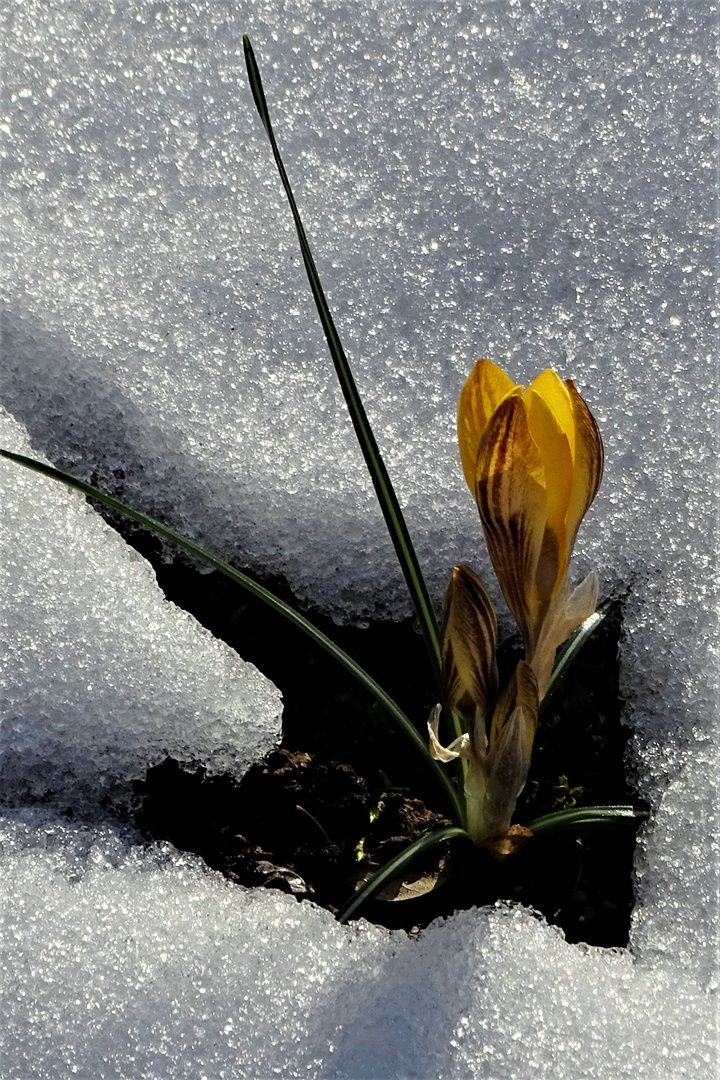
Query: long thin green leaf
[[383, 487], [200, 553], [587, 817], [397, 866], [569, 651]]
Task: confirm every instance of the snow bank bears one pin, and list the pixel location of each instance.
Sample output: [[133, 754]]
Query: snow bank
[[527, 182], [101, 675]]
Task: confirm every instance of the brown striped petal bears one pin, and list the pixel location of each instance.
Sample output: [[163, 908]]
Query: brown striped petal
[[511, 498], [483, 391], [588, 464], [507, 774], [511, 740], [521, 690], [469, 638]]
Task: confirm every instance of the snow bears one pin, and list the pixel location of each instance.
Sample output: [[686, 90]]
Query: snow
[[121, 962], [101, 675], [516, 182], [529, 182]]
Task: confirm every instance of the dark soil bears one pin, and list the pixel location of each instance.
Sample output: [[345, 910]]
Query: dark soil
[[294, 823], [345, 792]]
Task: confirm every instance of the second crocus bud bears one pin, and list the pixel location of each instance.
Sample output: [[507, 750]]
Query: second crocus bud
[[469, 640], [496, 761]]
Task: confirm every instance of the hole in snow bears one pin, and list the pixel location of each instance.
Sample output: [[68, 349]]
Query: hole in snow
[[341, 783]]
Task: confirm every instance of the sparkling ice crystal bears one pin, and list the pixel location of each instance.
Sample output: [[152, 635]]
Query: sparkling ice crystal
[[525, 181]]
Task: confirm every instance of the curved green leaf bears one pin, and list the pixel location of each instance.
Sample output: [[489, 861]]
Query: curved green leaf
[[202, 555], [397, 866], [569, 651], [587, 817], [383, 487]]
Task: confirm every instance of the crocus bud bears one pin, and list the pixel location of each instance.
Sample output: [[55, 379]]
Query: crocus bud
[[469, 639], [497, 767]]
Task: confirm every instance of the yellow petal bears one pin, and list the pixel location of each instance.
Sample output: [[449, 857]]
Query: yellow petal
[[486, 386], [556, 396], [549, 423], [469, 637], [511, 498], [589, 459]]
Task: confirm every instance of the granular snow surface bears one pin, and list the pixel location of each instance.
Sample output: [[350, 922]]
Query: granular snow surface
[[101, 675], [531, 182]]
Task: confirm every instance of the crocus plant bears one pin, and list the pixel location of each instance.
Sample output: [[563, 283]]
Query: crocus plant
[[533, 460]]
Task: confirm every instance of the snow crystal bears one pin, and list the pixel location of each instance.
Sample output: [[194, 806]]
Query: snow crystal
[[120, 962], [529, 182], [101, 676], [524, 182]]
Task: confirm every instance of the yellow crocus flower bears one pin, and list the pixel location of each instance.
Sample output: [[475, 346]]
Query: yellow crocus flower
[[533, 459]]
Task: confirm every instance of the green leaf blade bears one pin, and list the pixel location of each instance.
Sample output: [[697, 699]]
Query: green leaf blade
[[587, 817], [200, 553], [384, 490], [398, 865]]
